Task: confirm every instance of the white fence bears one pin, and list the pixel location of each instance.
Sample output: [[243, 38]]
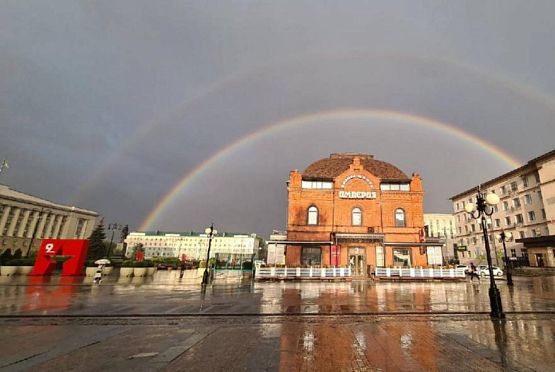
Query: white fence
[[302, 273], [423, 273]]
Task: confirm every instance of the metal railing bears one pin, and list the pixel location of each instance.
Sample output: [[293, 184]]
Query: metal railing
[[302, 273], [423, 273]]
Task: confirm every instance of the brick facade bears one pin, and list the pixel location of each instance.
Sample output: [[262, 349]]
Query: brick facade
[[355, 186]]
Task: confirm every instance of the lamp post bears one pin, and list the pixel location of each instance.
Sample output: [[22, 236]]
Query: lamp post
[[484, 207], [113, 227], [39, 218], [506, 237], [210, 232]]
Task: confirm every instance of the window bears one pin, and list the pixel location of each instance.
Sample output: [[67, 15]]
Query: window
[[525, 181], [497, 222], [313, 215], [524, 252], [527, 199], [505, 205], [521, 234], [519, 218], [356, 217], [504, 189], [460, 230], [516, 202], [458, 206], [380, 259], [513, 252], [508, 221], [473, 227], [514, 186], [311, 256], [543, 214], [401, 257], [531, 215], [399, 217], [537, 176]]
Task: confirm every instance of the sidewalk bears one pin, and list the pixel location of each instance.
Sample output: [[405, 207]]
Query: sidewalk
[[164, 324]]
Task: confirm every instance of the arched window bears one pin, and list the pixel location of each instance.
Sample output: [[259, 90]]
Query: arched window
[[356, 216], [399, 217], [313, 215]]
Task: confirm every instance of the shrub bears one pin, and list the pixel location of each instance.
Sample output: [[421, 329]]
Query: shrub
[[127, 263], [21, 262], [6, 255]]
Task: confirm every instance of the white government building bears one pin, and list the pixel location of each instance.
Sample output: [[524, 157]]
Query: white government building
[[24, 217], [526, 211], [194, 245], [442, 227]]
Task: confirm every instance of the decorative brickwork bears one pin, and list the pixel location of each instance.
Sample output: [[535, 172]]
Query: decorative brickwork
[[356, 183]]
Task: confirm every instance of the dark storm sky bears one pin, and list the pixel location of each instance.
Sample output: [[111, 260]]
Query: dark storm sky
[[108, 104]]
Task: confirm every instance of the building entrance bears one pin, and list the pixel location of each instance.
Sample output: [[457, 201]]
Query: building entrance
[[357, 262]]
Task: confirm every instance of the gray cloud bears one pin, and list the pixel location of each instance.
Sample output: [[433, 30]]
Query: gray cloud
[[78, 81]]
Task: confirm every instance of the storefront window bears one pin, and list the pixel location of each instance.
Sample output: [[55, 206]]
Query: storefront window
[[401, 257], [311, 256], [357, 217]]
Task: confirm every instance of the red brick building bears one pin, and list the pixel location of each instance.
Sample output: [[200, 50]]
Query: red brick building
[[353, 210]]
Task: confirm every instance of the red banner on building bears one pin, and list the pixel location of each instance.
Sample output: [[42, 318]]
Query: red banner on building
[[335, 250]]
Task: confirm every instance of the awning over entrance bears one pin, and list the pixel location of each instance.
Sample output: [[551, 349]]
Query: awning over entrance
[[539, 241], [359, 238]]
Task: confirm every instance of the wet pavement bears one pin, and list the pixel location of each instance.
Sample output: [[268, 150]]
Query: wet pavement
[[168, 324]]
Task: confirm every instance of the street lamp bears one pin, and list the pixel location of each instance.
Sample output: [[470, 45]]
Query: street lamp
[[210, 232], [506, 237], [484, 207], [113, 227]]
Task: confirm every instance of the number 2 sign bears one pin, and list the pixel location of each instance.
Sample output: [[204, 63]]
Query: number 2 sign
[[74, 252]]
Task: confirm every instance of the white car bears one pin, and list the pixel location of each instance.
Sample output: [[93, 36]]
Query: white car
[[463, 267], [483, 270]]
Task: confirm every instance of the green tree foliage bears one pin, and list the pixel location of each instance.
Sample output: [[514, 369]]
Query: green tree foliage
[[97, 248], [124, 233], [6, 256]]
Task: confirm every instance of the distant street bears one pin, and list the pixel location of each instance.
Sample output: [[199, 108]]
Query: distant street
[[160, 323]]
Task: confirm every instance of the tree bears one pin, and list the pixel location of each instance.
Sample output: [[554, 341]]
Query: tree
[[6, 256], [124, 233], [17, 254], [97, 248]]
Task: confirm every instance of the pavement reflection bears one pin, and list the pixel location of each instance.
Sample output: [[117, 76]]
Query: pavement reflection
[[310, 326], [165, 293]]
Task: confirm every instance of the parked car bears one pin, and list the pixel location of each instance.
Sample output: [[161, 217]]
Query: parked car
[[259, 263], [483, 270], [466, 268]]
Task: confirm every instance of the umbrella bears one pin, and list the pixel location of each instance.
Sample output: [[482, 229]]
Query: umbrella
[[102, 261]]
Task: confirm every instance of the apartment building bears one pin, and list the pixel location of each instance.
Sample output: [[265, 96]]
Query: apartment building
[[526, 210]]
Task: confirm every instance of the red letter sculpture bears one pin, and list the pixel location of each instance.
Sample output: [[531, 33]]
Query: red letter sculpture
[[74, 250]]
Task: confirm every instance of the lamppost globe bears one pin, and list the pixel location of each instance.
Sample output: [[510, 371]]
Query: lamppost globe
[[492, 199], [469, 208]]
